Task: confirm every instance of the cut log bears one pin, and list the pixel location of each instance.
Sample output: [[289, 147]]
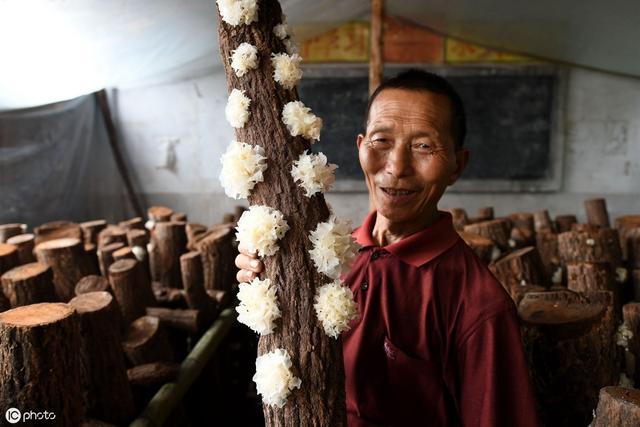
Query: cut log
[[40, 361], [542, 222], [565, 222], [25, 244], [617, 407], [131, 288], [107, 393], [29, 284], [124, 253], [193, 231], [187, 320], [624, 224], [9, 257], [635, 283], [521, 237], [590, 245], [169, 297], [520, 268], [169, 242], [147, 342], [57, 230], [193, 282], [498, 230], [631, 318], [597, 214], [159, 213], [9, 230], [178, 217], [112, 234], [137, 237], [218, 254], [92, 283], [459, 217], [590, 276], [547, 245], [69, 262], [136, 223], [483, 247], [151, 375], [632, 239], [91, 230], [485, 214], [105, 256]]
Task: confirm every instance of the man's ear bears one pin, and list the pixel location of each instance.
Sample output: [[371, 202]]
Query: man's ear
[[462, 159], [359, 140]]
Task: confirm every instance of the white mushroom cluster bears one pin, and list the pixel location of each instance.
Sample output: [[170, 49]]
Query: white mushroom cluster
[[286, 69], [281, 31], [623, 335], [258, 308], [274, 379], [238, 12], [242, 167], [244, 58], [333, 247], [313, 173], [259, 229], [335, 307], [300, 121], [237, 109]]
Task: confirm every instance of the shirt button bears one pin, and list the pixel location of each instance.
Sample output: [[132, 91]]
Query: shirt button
[[364, 285], [374, 256]]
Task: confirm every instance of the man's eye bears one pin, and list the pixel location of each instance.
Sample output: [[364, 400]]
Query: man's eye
[[422, 147], [379, 142]]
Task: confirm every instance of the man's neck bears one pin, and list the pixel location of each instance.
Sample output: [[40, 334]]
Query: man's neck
[[386, 232]]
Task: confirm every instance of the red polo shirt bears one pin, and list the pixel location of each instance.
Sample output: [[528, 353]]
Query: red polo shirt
[[437, 342]]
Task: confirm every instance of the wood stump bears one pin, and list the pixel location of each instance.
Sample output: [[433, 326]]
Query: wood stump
[[632, 252], [169, 242], [25, 244], [57, 230], [483, 247], [590, 245], [137, 237], [131, 288], [124, 253], [9, 230], [188, 320], [147, 378], [193, 232], [617, 407], [69, 262], [107, 393], [498, 230], [193, 282], [178, 217], [624, 224], [9, 257], [547, 245], [147, 342], [565, 222], [520, 268], [112, 234], [485, 214], [459, 217], [590, 276], [542, 222], [40, 362], [218, 252], [29, 284], [105, 256], [159, 213], [597, 214], [92, 283], [136, 223], [91, 230]]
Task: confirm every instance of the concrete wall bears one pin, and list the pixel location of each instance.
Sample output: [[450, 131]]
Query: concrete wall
[[174, 136]]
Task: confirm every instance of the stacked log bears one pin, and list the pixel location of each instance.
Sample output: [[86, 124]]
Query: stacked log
[[459, 217], [542, 222], [136, 223], [565, 222], [28, 284], [585, 244], [25, 244]]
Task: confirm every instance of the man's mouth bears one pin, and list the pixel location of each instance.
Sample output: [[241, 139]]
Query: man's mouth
[[396, 192]]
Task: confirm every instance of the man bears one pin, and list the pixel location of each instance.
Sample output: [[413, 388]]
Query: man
[[437, 342]]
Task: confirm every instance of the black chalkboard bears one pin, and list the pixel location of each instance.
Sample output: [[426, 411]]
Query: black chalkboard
[[509, 119]]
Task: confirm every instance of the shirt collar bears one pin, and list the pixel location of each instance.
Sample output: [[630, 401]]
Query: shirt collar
[[418, 248]]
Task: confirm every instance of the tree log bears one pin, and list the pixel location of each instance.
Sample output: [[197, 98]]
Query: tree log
[[169, 241], [147, 342], [547, 245], [218, 252], [137, 237], [136, 223], [153, 374], [131, 288], [193, 231], [57, 230], [631, 317], [520, 268], [179, 217], [105, 256], [9, 230], [69, 262], [597, 214], [624, 224], [498, 230], [92, 283], [9, 257], [107, 394], [25, 244], [482, 246], [40, 361], [617, 407], [159, 213], [485, 214], [29, 284], [193, 282], [590, 276], [124, 253], [590, 245], [564, 222], [189, 320], [91, 230], [169, 297], [112, 234], [632, 240], [460, 218], [542, 222]]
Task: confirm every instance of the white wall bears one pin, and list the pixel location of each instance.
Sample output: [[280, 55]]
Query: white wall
[[601, 150]]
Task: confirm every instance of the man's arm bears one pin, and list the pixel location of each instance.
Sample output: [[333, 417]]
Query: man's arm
[[495, 389]]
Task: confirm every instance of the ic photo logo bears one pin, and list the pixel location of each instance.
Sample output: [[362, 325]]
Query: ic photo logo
[[13, 416]]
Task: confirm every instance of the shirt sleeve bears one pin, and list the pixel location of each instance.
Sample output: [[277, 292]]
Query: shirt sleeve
[[495, 388]]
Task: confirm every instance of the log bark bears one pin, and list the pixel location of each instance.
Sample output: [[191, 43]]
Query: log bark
[[69, 262], [459, 217], [520, 268], [617, 407], [147, 342], [9, 257], [92, 283], [193, 231], [131, 288], [112, 234], [590, 276], [631, 317], [124, 253], [105, 256], [25, 244], [565, 222], [498, 230], [188, 320], [168, 241], [218, 253], [29, 284], [91, 230], [632, 240], [624, 224], [159, 213], [547, 245], [40, 362], [542, 222], [597, 214], [107, 393], [136, 223], [9, 230], [590, 245], [57, 230], [169, 297], [193, 282], [316, 358]]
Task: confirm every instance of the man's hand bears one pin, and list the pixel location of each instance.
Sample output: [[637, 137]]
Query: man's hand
[[249, 265]]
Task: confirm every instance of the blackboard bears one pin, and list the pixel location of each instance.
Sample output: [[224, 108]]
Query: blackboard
[[510, 120]]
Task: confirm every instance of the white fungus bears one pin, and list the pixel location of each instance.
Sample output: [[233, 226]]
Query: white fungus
[[237, 12], [242, 167], [258, 308], [621, 274], [244, 58], [286, 69], [333, 247], [281, 31], [335, 307], [301, 121], [259, 229], [290, 45], [237, 109], [274, 379], [313, 173], [623, 335]]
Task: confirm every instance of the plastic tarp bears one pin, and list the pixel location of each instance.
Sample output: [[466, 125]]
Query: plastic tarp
[[56, 164]]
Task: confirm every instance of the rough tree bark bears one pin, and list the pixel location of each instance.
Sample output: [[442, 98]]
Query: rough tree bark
[[316, 358], [618, 407], [25, 244], [29, 284]]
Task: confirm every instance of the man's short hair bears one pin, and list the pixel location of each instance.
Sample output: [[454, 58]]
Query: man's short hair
[[420, 80]]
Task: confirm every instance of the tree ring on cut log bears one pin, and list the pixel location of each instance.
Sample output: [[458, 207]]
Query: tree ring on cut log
[[36, 314], [92, 301]]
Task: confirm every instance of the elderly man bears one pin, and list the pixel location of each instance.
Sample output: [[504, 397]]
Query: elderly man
[[437, 342]]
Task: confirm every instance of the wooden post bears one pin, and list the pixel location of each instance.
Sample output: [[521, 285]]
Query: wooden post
[[57, 230], [147, 342], [590, 276], [9, 230], [124, 253], [218, 253], [131, 288], [91, 230], [106, 386], [92, 283], [590, 245], [597, 214], [189, 320], [105, 256], [498, 230], [564, 222], [159, 213], [542, 221], [112, 234], [25, 244], [29, 284], [483, 247], [193, 282], [40, 361], [169, 241], [617, 407]]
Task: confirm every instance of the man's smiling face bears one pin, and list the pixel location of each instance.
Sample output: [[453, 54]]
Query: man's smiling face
[[408, 154]]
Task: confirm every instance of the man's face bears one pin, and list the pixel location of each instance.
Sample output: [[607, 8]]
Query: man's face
[[408, 154]]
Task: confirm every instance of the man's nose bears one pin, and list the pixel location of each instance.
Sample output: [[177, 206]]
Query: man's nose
[[399, 161]]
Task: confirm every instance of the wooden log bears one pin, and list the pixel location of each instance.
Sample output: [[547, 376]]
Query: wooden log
[[169, 242], [632, 240], [547, 245], [193, 282], [91, 251], [523, 220], [112, 234], [590, 245], [570, 347], [624, 224], [91, 230], [69, 262], [25, 244], [520, 268], [485, 213], [147, 342], [105, 256], [169, 297], [564, 222], [136, 223], [92, 283], [521, 237], [57, 230], [590, 276], [542, 221], [9, 230], [193, 231], [107, 393], [131, 289], [631, 318], [151, 375], [635, 283], [218, 253], [597, 214], [482, 246], [137, 237], [459, 217], [29, 284], [188, 320], [617, 407], [124, 253], [498, 230], [159, 213], [9, 257], [40, 361], [178, 217]]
